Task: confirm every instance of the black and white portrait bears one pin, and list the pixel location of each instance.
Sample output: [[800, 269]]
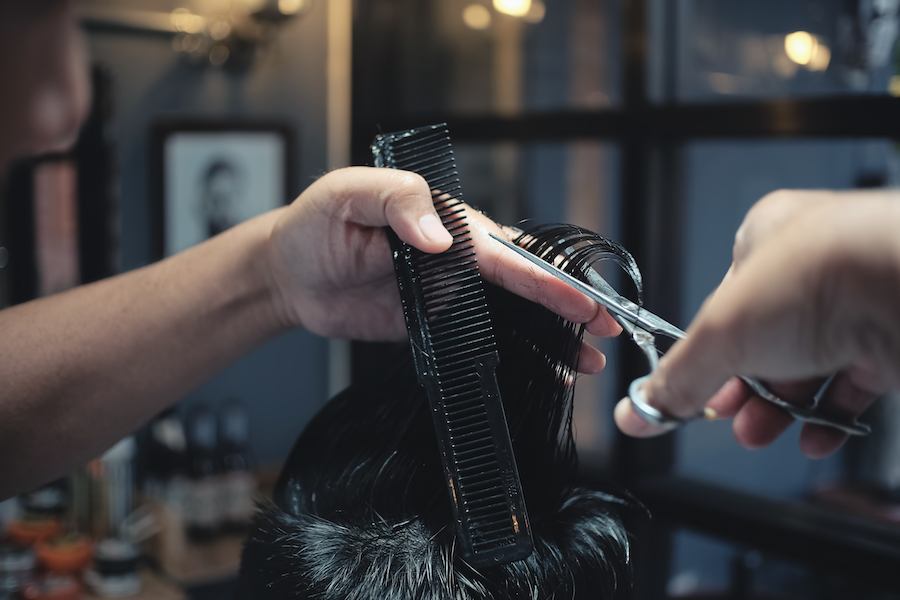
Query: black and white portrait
[[214, 179]]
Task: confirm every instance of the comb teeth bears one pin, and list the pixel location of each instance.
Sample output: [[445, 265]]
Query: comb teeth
[[455, 353]]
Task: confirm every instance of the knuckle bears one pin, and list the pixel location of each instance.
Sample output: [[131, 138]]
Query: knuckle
[[410, 185], [496, 274], [407, 191], [742, 242], [773, 201], [763, 218]]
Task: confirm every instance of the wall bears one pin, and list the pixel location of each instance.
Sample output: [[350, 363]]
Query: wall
[[284, 381]]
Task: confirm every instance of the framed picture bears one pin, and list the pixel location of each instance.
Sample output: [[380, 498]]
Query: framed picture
[[212, 175]]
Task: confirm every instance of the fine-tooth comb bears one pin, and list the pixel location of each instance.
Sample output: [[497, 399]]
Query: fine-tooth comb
[[455, 355]]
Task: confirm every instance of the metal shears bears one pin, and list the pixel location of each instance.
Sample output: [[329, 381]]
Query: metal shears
[[643, 327]]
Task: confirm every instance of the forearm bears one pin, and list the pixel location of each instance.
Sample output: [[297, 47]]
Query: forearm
[[83, 368]]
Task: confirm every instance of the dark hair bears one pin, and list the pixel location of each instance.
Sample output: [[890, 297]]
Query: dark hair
[[361, 510]]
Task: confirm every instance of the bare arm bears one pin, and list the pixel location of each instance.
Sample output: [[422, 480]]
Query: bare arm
[[81, 369]]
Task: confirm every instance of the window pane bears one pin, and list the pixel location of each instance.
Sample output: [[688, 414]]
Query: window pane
[[712, 567], [726, 49], [723, 179], [556, 182], [465, 56]]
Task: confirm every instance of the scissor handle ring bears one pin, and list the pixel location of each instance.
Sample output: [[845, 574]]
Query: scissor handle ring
[[650, 414]]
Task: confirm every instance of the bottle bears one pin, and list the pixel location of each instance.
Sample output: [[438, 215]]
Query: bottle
[[116, 486], [166, 462], [238, 482], [202, 515], [17, 564]]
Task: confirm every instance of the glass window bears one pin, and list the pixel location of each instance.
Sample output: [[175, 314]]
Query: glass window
[[710, 567], [723, 179], [469, 56], [726, 49]]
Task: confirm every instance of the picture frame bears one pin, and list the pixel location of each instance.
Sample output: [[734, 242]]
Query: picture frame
[[211, 175]]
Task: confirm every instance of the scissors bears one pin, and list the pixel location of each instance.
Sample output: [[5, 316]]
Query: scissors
[[643, 327]]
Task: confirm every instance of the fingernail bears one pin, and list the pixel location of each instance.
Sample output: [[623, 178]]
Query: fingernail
[[710, 414], [433, 229]]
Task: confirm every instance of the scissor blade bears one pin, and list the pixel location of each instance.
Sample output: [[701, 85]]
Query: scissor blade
[[649, 321], [617, 305]]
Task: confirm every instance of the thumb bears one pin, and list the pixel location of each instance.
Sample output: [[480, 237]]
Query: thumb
[[386, 197], [687, 376], [765, 320]]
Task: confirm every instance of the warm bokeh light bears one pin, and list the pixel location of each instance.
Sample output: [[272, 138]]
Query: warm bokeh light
[[807, 50], [290, 7], [800, 47], [187, 22], [537, 12], [821, 58], [219, 30], [515, 8], [894, 85], [476, 16]]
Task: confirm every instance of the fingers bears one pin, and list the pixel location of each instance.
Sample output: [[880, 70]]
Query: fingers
[[774, 318], [510, 271], [758, 423], [590, 360], [630, 423], [844, 397], [402, 200], [387, 197], [730, 398], [603, 325]]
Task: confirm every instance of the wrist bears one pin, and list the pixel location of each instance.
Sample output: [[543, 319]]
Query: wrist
[[248, 297], [865, 254], [282, 306]]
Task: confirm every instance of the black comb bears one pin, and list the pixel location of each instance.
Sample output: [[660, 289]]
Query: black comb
[[455, 354]]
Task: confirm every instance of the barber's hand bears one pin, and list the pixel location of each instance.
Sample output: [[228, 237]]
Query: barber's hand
[[814, 289], [331, 262]]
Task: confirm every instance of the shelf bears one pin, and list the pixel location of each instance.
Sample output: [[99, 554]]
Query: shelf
[[828, 539]]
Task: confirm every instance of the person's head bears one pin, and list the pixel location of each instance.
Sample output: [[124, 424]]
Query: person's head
[[363, 510], [43, 67]]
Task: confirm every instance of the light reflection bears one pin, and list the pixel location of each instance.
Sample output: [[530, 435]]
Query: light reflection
[[807, 50], [537, 12], [185, 21], [894, 85], [219, 30], [821, 58], [514, 8], [800, 47], [290, 7], [476, 16]]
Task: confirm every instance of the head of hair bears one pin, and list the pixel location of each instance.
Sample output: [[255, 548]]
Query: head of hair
[[361, 509]]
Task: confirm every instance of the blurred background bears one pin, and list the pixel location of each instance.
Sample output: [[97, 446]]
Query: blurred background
[[654, 122]]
